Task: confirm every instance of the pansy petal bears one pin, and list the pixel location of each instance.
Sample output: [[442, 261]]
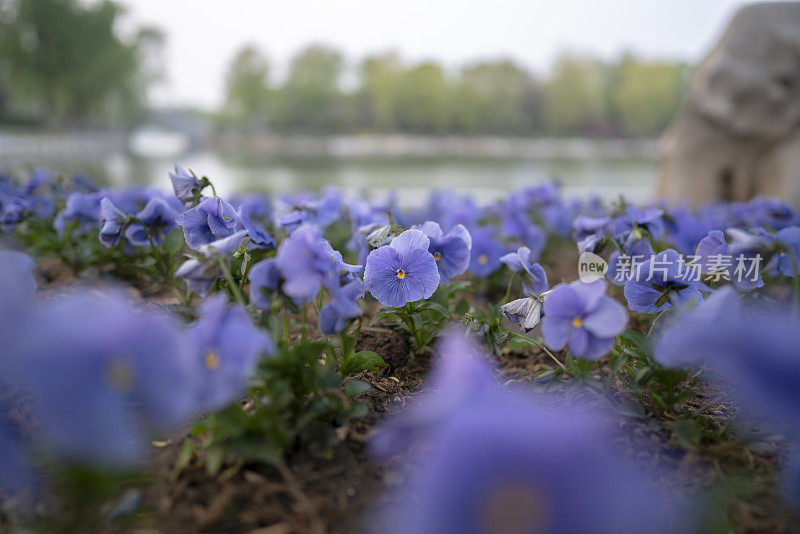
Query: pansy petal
[[590, 294], [563, 301], [607, 319], [578, 341], [598, 347], [410, 240]]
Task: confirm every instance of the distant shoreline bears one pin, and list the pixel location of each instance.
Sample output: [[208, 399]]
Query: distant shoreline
[[30, 146], [417, 146]]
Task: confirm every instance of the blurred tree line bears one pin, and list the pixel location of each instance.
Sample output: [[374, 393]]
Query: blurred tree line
[[581, 95], [62, 62]]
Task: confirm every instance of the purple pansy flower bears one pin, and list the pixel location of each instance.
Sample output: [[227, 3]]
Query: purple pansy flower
[[508, 465], [308, 262], [588, 232], [523, 261], [581, 316], [679, 344], [17, 475], [342, 307], [264, 276], [485, 254], [462, 374], [659, 282], [100, 374], [17, 284], [185, 185], [753, 350], [82, 210], [403, 271], [228, 349], [787, 260], [211, 219], [250, 212], [157, 220], [112, 222], [715, 256], [203, 270], [450, 250], [621, 265]]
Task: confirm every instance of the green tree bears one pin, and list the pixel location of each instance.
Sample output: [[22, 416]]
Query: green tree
[[63, 58], [574, 101], [644, 95], [312, 98], [424, 99], [247, 91], [492, 97], [378, 93]]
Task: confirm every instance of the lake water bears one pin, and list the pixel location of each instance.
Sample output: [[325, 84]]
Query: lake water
[[487, 168], [412, 178]]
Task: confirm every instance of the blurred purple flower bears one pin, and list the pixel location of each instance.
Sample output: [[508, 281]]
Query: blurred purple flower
[[588, 232], [342, 307], [264, 276], [228, 350], [787, 260], [507, 465], [251, 211], [713, 248], [461, 375], [157, 220], [679, 344], [660, 282], [81, 210], [582, 317], [403, 271], [100, 375], [485, 254], [621, 265], [752, 349]]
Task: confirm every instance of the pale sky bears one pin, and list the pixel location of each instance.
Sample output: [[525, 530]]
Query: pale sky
[[203, 35]]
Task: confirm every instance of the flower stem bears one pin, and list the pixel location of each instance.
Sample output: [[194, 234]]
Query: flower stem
[[231, 283], [653, 324], [508, 289], [540, 345]]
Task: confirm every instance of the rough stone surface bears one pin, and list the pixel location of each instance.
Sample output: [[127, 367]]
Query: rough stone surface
[[738, 133]]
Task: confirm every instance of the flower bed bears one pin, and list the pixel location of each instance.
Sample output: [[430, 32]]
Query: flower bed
[[318, 362]]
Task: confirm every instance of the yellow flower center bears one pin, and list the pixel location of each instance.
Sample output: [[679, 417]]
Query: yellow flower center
[[437, 256], [577, 322], [783, 254], [121, 376], [212, 359], [483, 259], [401, 274]]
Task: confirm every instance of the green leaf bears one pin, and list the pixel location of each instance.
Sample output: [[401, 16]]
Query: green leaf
[[173, 243], [435, 307], [354, 388], [643, 375], [358, 409], [360, 361], [184, 457]]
